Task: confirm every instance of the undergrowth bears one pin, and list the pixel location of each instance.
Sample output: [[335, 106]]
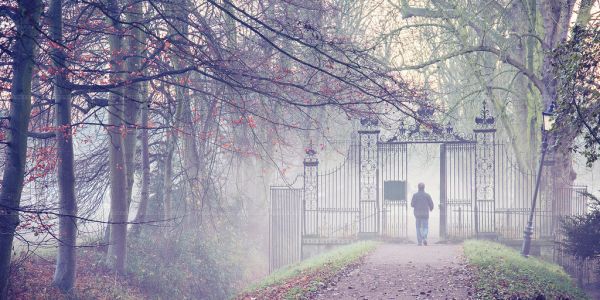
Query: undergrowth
[[184, 267], [31, 278]]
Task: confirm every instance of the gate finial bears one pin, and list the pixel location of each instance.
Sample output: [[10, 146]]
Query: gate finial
[[369, 123], [485, 119], [311, 155]]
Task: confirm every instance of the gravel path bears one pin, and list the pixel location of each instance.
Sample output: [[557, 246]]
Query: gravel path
[[396, 271]]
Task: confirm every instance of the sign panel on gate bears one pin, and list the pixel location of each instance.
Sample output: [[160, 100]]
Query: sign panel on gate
[[394, 190]]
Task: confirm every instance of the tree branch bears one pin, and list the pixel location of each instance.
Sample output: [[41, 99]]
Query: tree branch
[[82, 88], [501, 54], [40, 135], [591, 131], [8, 11]]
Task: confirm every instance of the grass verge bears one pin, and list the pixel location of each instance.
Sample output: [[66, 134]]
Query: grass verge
[[502, 273], [298, 280]]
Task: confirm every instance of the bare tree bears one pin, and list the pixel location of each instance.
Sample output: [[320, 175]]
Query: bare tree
[[117, 249], [26, 19], [133, 96], [64, 274]]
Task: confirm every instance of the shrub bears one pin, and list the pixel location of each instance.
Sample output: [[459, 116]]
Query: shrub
[[184, 267], [582, 233]]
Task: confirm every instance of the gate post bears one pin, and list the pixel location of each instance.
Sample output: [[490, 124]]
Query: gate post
[[310, 218], [485, 174], [443, 207], [368, 178]]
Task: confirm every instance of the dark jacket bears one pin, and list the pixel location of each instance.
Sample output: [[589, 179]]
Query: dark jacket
[[422, 203]]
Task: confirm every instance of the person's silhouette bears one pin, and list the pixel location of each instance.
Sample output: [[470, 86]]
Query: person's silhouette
[[422, 204]]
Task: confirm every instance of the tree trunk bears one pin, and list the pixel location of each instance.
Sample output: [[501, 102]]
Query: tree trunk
[[191, 160], [533, 47], [517, 12], [144, 108], [145, 192], [168, 175], [27, 23], [556, 17], [155, 209], [132, 93], [118, 180], [179, 28], [64, 274]]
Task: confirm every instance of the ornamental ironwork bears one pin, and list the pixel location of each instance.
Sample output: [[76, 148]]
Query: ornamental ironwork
[[368, 184], [485, 119], [368, 167], [484, 164], [419, 132], [369, 123], [311, 193], [485, 172]]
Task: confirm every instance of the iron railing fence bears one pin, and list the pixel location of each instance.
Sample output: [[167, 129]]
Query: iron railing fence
[[285, 227]]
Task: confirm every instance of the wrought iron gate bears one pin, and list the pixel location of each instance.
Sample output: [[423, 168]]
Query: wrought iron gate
[[482, 192], [366, 195], [457, 193], [393, 162]]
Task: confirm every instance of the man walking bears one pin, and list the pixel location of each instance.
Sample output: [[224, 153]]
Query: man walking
[[422, 204]]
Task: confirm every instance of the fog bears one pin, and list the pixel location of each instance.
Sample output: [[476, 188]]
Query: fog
[[424, 166], [164, 149]]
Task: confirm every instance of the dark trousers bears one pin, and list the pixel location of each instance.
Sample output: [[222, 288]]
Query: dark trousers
[[422, 229]]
